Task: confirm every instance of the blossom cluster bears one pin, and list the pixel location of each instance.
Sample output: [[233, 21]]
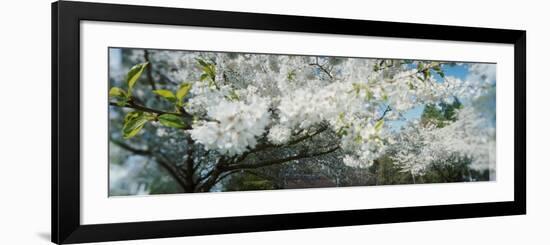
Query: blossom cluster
[[232, 127], [279, 134], [279, 96], [469, 136]]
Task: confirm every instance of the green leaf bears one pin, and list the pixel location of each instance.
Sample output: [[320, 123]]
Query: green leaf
[[201, 62], [117, 92], [204, 76], [291, 75], [376, 67], [167, 94], [132, 115], [342, 132], [183, 90], [233, 95], [120, 96], [420, 66], [358, 139], [356, 88], [379, 124], [370, 95], [341, 116], [171, 120], [211, 71], [122, 101], [134, 122], [426, 74], [134, 74]]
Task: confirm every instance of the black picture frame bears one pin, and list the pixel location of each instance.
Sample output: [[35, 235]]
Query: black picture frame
[[66, 18]]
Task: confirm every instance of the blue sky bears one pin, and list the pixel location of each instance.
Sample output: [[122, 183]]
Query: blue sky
[[458, 71]]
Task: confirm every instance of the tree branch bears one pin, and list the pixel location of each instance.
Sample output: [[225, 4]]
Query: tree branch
[[321, 67], [278, 161], [149, 70], [134, 105], [189, 163], [226, 174], [212, 177], [388, 109], [130, 148], [269, 145], [307, 136], [186, 116], [175, 173], [221, 169], [427, 67], [171, 168]]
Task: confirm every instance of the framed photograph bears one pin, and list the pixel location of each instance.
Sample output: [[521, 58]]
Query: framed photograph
[[176, 122]]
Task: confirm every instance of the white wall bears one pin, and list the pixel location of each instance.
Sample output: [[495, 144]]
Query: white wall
[[25, 121]]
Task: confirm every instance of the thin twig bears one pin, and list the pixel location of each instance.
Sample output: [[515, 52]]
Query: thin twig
[[136, 106], [171, 168], [388, 109], [130, 148], [149, 70], [321, 67]]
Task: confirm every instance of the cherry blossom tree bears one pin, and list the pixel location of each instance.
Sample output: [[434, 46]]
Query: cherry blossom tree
[[207, 116]]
